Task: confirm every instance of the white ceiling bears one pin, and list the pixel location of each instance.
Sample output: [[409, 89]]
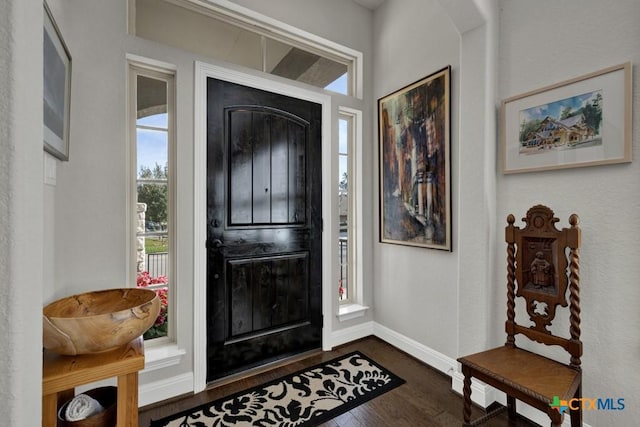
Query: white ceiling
[[369, 4]]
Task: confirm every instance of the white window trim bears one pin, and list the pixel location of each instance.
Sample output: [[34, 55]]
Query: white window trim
[[166, 351], [162, 355], [354, 306]]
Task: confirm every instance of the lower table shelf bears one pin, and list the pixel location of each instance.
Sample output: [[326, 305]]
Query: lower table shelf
[[62, 374]]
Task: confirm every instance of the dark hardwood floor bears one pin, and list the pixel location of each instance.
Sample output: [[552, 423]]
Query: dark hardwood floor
[[425, 400]]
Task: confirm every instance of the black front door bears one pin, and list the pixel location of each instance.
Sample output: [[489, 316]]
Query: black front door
[[264, 252]]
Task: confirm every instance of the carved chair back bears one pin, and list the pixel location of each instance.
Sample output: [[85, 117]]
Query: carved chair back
[[542, 265]]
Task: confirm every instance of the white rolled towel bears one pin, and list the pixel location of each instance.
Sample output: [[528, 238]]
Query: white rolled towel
[[82, 406]]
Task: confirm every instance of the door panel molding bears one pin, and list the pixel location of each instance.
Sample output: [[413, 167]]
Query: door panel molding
[[275, 155], [272, 308], [329, 303]]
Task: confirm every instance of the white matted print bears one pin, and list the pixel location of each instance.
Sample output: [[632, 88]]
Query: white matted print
[[584, 121]]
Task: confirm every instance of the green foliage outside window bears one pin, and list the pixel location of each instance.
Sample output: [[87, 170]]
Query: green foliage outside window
[[154, 194]]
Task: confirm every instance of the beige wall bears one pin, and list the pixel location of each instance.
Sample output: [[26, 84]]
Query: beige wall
[[542, 43], [21, 211], [415, 289]]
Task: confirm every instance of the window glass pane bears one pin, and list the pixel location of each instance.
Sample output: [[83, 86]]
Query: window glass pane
[[274, 53], [343, 136], [159, 284], [343, 168], [155, 121], [155, 197], [298, 64], [152, 173], [343, 208], [340, 85], [152, 150]]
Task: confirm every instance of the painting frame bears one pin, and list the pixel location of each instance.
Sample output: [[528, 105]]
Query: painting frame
[[56, 89], [414, 125], [584, 121]]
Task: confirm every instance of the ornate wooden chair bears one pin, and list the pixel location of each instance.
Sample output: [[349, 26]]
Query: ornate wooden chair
[[541, 270]]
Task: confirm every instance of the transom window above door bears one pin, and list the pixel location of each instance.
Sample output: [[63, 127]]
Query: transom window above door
[[227, 32]]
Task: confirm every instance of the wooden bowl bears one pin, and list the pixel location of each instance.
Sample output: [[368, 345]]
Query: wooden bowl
[[98, 321]]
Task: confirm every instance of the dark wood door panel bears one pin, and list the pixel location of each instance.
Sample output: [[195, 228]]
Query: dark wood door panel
[[241, 355], [267, 168], [266, 293], [264, 258]]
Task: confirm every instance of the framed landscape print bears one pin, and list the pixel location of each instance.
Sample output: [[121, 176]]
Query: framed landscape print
[[56, 89], [415, 164], [585, 121]]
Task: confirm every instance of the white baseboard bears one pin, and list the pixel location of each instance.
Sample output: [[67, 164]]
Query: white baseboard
[[420, 351], [353, 333], [165, 389], [481, 394]]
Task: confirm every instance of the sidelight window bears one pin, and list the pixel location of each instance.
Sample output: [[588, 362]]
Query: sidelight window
[[152, 148], [350, 236], [349, 193], [344, 141]]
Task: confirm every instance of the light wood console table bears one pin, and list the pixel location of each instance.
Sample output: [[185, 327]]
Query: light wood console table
[[62, 374]]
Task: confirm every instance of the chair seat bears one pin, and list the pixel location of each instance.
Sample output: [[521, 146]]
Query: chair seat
[[529, 377]]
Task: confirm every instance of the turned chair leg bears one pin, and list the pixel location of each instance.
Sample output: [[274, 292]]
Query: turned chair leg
[[576, 414], [576, 418], [466, 391], [556, 418]]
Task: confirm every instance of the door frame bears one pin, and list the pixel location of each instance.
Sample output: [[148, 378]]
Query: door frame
[[202, 72]]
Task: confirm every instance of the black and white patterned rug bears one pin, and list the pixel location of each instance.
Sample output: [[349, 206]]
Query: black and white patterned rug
[[305, 398]]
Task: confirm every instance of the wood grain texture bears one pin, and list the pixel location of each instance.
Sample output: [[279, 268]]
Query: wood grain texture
[[128, 400], [98, 321], [526, 372], [542, 263], [65, 372], [62, 374]]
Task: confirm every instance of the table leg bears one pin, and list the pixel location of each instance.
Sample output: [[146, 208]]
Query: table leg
[[128, 400], [50, 405], [50, 410]]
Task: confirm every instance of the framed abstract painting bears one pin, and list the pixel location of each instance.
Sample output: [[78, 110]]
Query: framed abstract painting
[[415, 165]]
